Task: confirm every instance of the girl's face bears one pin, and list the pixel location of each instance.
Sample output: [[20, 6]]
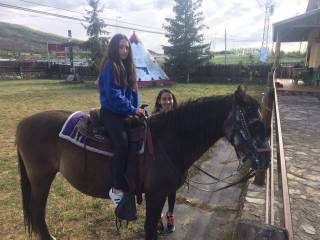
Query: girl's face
[[166, 101], [123, 49]]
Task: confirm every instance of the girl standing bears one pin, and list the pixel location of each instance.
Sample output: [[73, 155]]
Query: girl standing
[[165, 102]]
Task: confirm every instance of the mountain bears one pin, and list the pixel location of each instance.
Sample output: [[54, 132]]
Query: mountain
[[18, 38]]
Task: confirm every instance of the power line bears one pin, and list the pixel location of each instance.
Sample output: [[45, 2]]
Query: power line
[[235, 39], [45, 5], [39, 12], [73, 18], [68, 10]]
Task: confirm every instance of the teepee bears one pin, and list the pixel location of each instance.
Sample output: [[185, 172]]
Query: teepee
[[149, 73], [312, 5]]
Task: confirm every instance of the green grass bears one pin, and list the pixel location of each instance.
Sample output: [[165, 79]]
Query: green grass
[[235, 59], [70, 214]]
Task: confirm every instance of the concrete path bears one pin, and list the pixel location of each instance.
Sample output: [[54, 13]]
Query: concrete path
[[300, 123], [205, 215]]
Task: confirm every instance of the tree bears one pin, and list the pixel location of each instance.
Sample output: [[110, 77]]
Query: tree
[[95, 29], [187, 50]]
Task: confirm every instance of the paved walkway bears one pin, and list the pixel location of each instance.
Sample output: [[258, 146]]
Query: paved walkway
[[300, 122]]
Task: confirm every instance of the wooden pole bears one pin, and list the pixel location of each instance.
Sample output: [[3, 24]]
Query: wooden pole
[[225, 46], [277, 53]]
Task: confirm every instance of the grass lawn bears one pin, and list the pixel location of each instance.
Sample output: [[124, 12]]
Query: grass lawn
[[235, 59], [70, 214]]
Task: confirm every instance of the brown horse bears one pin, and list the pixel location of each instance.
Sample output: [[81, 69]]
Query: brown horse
[[180, 137]]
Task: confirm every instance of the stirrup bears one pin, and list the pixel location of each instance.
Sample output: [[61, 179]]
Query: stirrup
[[126, 209]]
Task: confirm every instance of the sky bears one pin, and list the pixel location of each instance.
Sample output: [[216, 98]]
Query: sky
[[243, 20]]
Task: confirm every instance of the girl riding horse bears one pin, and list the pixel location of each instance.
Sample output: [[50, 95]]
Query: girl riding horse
[[118, 99]]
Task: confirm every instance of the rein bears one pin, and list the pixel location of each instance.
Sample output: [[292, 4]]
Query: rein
[[244, 178], [241, 128], [210, 175]]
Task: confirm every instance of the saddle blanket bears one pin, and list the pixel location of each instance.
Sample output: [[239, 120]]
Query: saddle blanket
[[71, 133]]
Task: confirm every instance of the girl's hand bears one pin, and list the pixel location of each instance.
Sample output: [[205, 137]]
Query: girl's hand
[[140, 112]]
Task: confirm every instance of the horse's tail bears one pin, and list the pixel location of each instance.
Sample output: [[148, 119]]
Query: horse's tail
[[26, 194]]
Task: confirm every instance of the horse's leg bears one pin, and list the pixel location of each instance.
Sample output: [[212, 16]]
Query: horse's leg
[[154, 205], [39, 194]]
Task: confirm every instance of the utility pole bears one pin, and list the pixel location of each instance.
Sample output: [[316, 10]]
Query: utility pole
[[48, 55], [70, 50], [117, 22], [300, 48], [225, 46], [72, 77]]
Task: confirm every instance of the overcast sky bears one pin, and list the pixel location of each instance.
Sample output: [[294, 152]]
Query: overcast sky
[[243, 19]]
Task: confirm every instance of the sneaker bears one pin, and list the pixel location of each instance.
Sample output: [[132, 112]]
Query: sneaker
[[115, 196], [170, 222], [160, 226]]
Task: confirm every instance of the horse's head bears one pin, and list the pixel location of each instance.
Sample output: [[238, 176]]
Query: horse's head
[[245, 130]]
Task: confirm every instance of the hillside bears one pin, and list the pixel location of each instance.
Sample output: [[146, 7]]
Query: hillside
[[18, 38]]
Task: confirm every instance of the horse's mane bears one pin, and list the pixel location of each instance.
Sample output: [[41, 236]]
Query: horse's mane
[[197, 123], [193, 109], [189, 112]]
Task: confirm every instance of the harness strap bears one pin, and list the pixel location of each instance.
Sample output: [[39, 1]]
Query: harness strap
[[150, 143], [118, 224], [244, 178], [208, 174]]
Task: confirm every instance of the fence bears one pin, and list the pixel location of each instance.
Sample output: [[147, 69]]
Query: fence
[[231, 72], [281, 170], [61, 71], [276, 177], [31, 69], [203, 74]]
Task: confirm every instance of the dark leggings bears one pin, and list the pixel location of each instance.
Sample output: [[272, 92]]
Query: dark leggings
[[171, 201], [116, 129]]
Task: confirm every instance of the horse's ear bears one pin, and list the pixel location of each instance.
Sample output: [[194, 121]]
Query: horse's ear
[[240, 95]]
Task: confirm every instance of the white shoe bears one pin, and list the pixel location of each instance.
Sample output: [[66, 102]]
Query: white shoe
[[115, 196]]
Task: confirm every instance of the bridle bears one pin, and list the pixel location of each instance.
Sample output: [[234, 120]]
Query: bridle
[[242, 140]]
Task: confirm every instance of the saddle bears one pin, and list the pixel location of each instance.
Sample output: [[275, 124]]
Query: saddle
[[92, 128]]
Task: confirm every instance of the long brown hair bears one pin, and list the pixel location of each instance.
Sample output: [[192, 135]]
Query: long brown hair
[[122, 77], [157, 105]]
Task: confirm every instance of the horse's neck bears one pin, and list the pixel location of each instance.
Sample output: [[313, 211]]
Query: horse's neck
[[185, 140]]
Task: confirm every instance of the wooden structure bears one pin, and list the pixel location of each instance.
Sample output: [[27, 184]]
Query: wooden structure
[[302, 28]]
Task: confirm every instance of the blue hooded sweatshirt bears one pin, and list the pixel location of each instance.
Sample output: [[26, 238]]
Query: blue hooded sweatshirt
[[121, 100]]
